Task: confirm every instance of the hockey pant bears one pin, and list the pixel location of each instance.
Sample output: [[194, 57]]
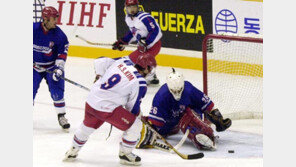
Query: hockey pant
[[120, 118], [56, 89]]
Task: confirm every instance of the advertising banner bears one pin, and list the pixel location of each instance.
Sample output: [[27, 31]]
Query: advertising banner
[[93, 20], [238, 16]]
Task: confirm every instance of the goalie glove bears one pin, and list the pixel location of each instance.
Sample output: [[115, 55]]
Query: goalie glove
[[216, 118]]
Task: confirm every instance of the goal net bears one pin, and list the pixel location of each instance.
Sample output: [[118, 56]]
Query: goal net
[[38, 5], [233, 74]]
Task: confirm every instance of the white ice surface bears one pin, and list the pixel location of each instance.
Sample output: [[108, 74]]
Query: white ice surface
[[50, 143]]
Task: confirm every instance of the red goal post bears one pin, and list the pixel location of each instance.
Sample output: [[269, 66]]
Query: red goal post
[[233, 74]]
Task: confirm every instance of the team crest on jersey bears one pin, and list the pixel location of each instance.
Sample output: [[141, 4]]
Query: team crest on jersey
[[182, 108], [51, 44], [134, 30]]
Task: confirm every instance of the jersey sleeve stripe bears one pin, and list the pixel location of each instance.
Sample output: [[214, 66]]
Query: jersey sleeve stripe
[[142, 82], [208, 106], [155, 122], [143, 15], [62, 56], [138, 75], [156, 118]]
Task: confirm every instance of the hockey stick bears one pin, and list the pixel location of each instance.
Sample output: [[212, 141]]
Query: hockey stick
[[164, 147], [68, 80], [184, 156], [181, 142], [101, 44]]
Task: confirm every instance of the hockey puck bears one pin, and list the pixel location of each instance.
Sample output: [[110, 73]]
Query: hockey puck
[[230, 151]]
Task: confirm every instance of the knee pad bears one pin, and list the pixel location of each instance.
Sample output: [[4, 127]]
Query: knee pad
[[83, 132], [81, 135], [131, 135]]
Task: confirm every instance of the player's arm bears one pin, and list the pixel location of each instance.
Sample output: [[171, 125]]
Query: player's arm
[[101, 65], [135, 98], [156, 116], [207, 107], [119, 44], [62, 49], [153, 31]]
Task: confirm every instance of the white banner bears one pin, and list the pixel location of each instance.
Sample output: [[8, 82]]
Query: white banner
[[93, 20], [238, 16]]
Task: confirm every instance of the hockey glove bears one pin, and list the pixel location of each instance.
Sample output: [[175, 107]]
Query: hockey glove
[[57, 73], [118, 45], [142, 46], [216, 118]]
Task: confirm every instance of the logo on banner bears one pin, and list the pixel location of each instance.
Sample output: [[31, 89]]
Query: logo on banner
[[226, 22]]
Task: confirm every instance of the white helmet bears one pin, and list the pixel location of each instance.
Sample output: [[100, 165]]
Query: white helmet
[[175, 82]]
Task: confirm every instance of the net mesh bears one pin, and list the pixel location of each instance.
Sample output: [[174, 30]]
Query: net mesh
[[38, 5], [235, 77]]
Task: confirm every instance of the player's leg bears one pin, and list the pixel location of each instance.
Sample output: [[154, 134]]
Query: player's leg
[[37, 78], [131, 125], [56, 89], [152, 77], [92, 120], [200, 133]]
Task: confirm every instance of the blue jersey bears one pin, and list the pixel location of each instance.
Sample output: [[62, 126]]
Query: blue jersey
[[49, 46], [166, 112]]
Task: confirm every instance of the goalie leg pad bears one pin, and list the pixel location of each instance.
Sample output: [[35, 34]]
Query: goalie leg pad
[[147, 138], [196, 126]]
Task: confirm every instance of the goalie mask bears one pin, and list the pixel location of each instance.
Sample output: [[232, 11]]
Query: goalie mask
[[175, 82]]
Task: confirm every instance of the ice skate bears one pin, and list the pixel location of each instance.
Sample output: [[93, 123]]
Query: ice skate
[[71, 154], [154, 81], [129, 159], [63, 122]]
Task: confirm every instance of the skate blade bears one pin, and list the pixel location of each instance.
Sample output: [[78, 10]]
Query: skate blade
[[125, 162], [66, 159], [66, 130]]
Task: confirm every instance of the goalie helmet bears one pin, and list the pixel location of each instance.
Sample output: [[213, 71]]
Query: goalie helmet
[[49, 11], [175, 82]]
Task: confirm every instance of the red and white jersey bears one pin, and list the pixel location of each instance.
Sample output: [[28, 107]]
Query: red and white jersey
[[143, 25], [120, 84]]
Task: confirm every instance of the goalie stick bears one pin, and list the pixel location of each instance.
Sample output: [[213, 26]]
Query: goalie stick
[[68, 80], [164, 147], [184, 156], [182, 140], [100, 44]]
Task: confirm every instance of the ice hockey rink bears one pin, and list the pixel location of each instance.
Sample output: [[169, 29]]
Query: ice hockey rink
[[50, 142]]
